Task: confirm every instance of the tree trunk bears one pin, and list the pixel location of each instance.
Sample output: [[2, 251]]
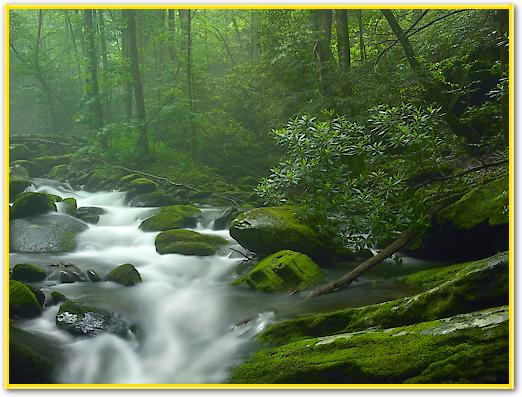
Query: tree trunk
[[126, 68], [172, 36], [343, 40], [502, 17], [94, 91], [322, 22], [190, 82], [362, 47], [73, 40], [254, 36], [105, 63], [48, 93], [431, 87], [142, 145]]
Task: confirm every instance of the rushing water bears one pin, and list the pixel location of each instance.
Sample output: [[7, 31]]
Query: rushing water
[[185, 310]]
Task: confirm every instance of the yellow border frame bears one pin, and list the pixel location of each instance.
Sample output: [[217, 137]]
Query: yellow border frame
[[509, 385]]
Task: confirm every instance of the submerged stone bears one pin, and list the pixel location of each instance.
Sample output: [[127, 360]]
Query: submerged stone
[[126, 275], [282, 271]]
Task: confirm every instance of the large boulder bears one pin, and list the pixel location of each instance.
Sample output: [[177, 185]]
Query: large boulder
[[171, 217], [142, 185], [17, 171], [158, 198], [31, 203], [17, 186], [89, 214], [59, 172], [49, 233], [272, 229], [28, 272], [68, 206], [49, 162], [22, 301], [83, 320], [474, 227], [126, 275], [187, 242], [34, 169], [282, 271], [471, 348], [448, 291], [32, 358]]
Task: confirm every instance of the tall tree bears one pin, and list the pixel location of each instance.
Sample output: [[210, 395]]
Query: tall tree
[[433, 90], [172, 36], [105, 62], [190, 89], [142, 145], [362, 46], [343, 39], [126, 67], [93, 86], [322, 23]]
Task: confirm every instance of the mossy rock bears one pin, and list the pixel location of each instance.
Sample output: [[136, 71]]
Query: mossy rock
[[126, 275], [470, 348], [17, 171], [31, 204], [39, 295], [33, 359], [142, 185], [282, 271], [58, 297], [473, 227], [59, 172], [158, 198], [35, 170], [451, 290], [187, 242], [20, 152], [89, 214], [17, 186], [28, 272], [69, 206], [272, 229], [22, 301], [171, 217], [127, 179], [49, 162], [84, 320], [103, 177]]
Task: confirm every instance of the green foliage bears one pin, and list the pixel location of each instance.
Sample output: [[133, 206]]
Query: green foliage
[[360, 173]]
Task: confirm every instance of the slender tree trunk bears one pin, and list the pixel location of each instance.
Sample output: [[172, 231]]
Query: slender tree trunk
[[343, 39], [48, 93], [73, 41], [254, 36], [142, 146], [322, 21], [502, 17], [105, 62], [172, 37], [362, 47], [126, 71], [431, 87], [94, 90], [190, 82]]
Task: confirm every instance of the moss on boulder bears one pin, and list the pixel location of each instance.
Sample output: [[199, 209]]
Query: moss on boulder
[[467, 348], [28, 272], [31, 204], [22, 301], [171, 217], [272, 229], [283, 271], [450, 290], [126, 275], [49, 162], [17, 186], [58, 297], [158, 198], [68, 205], [59, 172], [89, 214], [142, 185], [187, 242]]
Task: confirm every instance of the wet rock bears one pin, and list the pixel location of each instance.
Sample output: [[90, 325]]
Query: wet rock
[[31, 203], [47, 233], [28, 272], [89, 214], [466, 349], [39, 295], [158, 198], [272, 229], [57, 297], [282, 271], [126, 275], [187, 242], [66, 273], [33, 359], [17, 186], [172, 217], [225, 217], [49, 162], [68, 206], [93, 276], [59, 172], [22, 301], [83, 320], [141, 186]]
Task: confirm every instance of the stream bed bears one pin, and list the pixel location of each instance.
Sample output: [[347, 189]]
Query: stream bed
[[186, 310]]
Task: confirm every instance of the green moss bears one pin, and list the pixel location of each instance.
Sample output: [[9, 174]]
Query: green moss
[[187, 242], [31, 204], [283, 271], [272, 229], [22, 301], [125, 274], [58, 297], [28, 272], [486, 203], [458, 289], [171, 217], [103, 177], [125, 180], [59, 172], [49, 162], [143, 185], [69, 206], [17, 186], [464, 349]]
